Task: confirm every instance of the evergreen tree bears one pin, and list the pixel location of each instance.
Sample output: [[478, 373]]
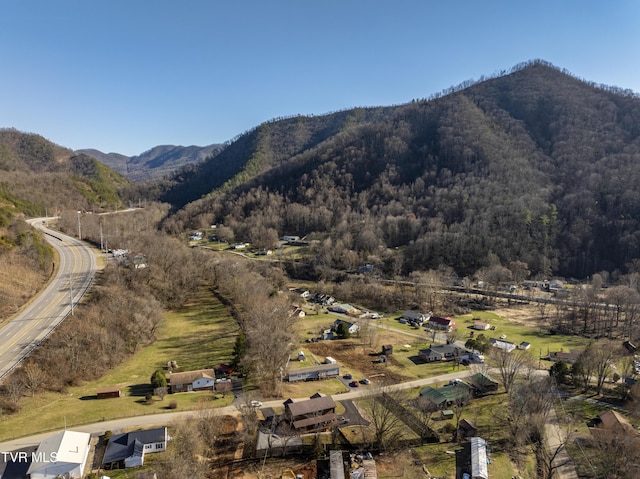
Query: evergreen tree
[[158, 379]]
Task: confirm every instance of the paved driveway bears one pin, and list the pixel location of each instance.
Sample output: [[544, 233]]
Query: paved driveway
[[352, 415]]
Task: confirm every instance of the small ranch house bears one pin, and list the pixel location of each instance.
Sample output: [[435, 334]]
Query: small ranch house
[[441, 352], [416, 316], [507, 346], [344, 308], [480, 326], [200, 380]]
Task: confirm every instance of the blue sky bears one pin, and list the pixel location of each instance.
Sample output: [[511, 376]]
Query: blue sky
[[124, 76]]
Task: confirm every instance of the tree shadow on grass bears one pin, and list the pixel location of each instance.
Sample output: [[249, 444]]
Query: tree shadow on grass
[[417, 360], [140, 389]]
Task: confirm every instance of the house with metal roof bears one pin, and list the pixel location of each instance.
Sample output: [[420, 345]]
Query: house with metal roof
[[479, 469], [61, 455], [311, 373], [483, 383], [438, 322], [336, 465], [446, 395]]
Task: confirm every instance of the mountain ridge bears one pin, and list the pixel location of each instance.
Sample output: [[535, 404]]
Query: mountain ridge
[[513, 168], [156, 162]]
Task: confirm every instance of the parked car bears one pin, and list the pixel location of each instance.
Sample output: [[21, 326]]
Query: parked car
[[255, 404], [503, 336], [365, 381], [347, 376], [354, 384]]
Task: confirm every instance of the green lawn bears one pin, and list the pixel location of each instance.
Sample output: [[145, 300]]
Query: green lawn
[[201, 335], [541, 341]]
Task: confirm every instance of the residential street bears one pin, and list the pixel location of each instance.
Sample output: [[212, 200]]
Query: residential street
[[556, 436]]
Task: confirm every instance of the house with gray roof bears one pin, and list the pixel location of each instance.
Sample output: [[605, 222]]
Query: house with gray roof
[[128, 449], [441, 352]]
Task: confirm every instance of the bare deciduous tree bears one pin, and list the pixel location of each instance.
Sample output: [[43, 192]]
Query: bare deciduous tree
[[33, 378], [509, 364], [386, 424]]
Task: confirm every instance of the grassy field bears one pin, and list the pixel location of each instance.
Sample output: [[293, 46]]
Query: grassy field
[[518, 330], [201, 335]]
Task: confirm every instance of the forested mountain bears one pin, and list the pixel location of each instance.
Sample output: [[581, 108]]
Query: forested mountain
[[38, 177], [155, 163], [534, 166]]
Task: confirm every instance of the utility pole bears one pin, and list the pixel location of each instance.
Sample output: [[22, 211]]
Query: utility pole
[[79, 230], [71, 296]]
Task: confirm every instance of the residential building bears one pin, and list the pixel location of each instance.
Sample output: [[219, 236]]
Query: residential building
[[483, 383], [446, 395], [479, 469], [310, 373], [61, 455], [313, 414], [344, 308], [336, 465], [568, 357], [507, 346], [353, 328], [200, 380], [481, 325], [129, 449], [441, 352], [416, 316], [438, 322]]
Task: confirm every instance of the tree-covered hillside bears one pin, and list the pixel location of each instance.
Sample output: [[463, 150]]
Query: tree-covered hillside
[[48, 177], [533, 166], [38, 177]]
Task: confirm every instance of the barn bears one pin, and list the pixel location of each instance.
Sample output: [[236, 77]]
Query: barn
[[109, 392]]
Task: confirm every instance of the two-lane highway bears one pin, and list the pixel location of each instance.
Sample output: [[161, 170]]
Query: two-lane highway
[[76, 269]]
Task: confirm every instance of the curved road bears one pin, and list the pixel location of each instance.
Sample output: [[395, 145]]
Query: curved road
[[76, 269]]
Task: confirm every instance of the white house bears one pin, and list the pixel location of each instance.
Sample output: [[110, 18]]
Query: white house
[[507, 346], [344, 308], [353, 328], [416, 316], [202, 379], [62, 455]]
